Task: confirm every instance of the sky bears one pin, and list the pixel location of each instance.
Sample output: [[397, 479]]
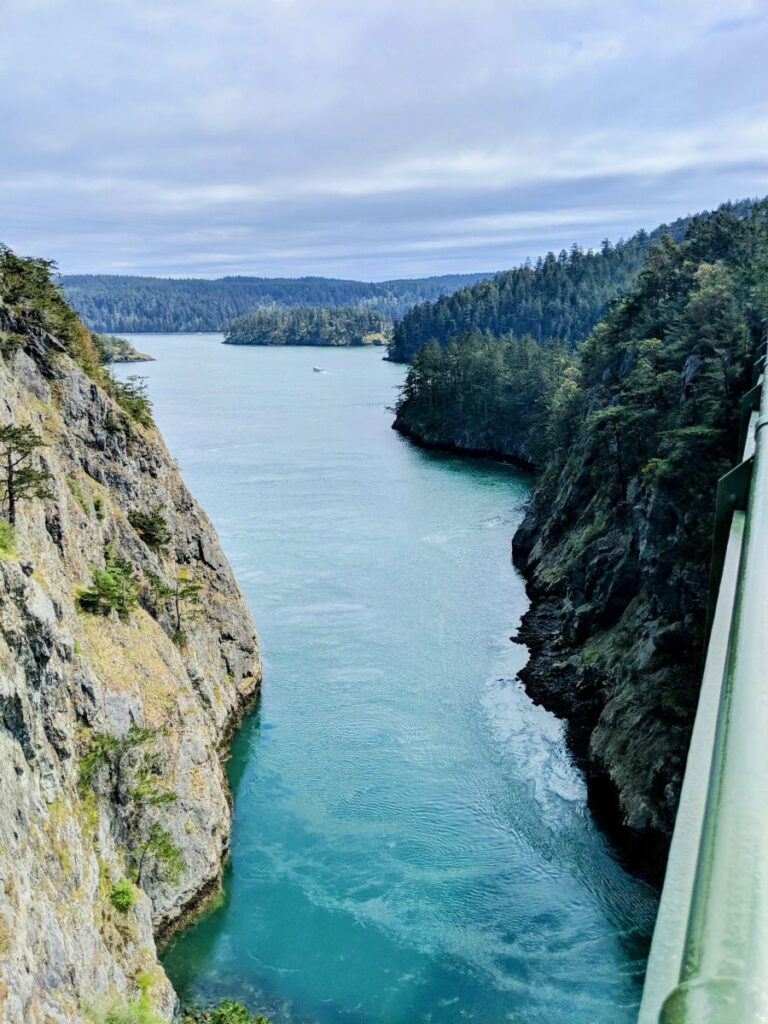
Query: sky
[[368, 138]]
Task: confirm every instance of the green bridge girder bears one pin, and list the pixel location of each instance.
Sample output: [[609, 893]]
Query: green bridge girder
[[709, 956]]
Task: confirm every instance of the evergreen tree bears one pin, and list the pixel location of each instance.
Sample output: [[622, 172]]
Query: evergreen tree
[[561, 296], [19, 481]]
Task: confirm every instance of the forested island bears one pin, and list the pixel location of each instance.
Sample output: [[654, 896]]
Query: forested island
[[115, 303], [629, 433], [305, 325], [119, 350], [559, 296]]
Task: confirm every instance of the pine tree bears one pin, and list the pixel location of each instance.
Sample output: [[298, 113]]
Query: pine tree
[[20, 481]]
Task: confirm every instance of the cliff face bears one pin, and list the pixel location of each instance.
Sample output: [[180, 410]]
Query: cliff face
[[464, 441], [616, 544], [143, 705], [615, 633]]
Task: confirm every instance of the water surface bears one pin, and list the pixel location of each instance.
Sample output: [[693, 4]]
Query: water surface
[[411, 841]]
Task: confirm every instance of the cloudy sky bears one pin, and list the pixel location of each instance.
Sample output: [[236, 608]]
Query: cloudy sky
[[368, 138]]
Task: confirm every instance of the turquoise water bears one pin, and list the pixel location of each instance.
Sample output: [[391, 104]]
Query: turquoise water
[[411, 841]]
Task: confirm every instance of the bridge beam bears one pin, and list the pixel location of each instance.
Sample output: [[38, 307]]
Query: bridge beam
[[709, 957]]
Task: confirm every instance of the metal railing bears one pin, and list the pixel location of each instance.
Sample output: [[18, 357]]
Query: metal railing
[[709, 956]]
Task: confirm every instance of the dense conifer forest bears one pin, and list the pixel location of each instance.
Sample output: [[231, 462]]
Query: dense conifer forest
[[116, 303], [305, 325], [560, 296], [484, 393], [499, 390]]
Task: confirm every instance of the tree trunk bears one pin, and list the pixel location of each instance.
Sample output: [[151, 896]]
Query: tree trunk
[[10, 488]]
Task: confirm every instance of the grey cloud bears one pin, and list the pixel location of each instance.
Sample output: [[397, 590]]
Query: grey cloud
[[376, 139]]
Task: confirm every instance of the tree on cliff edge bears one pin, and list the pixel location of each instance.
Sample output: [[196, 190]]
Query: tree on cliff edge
[[18, 480]]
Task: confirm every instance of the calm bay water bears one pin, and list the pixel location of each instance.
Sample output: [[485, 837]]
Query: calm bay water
[[411, 841]]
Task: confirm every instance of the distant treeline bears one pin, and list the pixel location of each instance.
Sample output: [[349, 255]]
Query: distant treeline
[[305, 325], [560, 296], [117, 303]]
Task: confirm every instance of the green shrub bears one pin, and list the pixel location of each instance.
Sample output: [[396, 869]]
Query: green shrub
[[7, 539], [10, 344], [158, 848], [98, 506], [228, 1011], [77, 493], [114, 588], [105, 751], [152, 527], [131, 396], [102, 748], [112, 423], [123, 896]]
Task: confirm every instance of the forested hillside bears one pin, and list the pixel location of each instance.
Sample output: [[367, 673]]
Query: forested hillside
[[116, 303], [630, 437], [560, 296], [304, 325], [484, 393]]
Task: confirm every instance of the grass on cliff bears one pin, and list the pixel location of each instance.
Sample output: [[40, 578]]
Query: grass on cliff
[[139, 1011], [7, 539]]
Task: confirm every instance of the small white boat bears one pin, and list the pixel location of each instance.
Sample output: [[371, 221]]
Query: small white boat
[[318, 369]]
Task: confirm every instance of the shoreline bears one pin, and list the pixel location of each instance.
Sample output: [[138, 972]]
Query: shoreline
[[452, 448], [643, 855]]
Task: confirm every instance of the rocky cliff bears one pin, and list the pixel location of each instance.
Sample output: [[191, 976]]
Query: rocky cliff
[[112, 717], [615, 634], [617, 541]]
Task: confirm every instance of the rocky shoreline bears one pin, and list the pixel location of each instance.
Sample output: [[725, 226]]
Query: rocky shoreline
[[464, 446], [553, 677], [632, 789]]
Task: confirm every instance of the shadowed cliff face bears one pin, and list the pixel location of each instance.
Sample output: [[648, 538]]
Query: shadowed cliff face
[[616, 635], [616, 544], [70, 679]]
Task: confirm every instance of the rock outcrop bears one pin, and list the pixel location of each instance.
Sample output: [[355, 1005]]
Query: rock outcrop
[[463, 443], [616, 545], [615, 634], [69, 678]]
